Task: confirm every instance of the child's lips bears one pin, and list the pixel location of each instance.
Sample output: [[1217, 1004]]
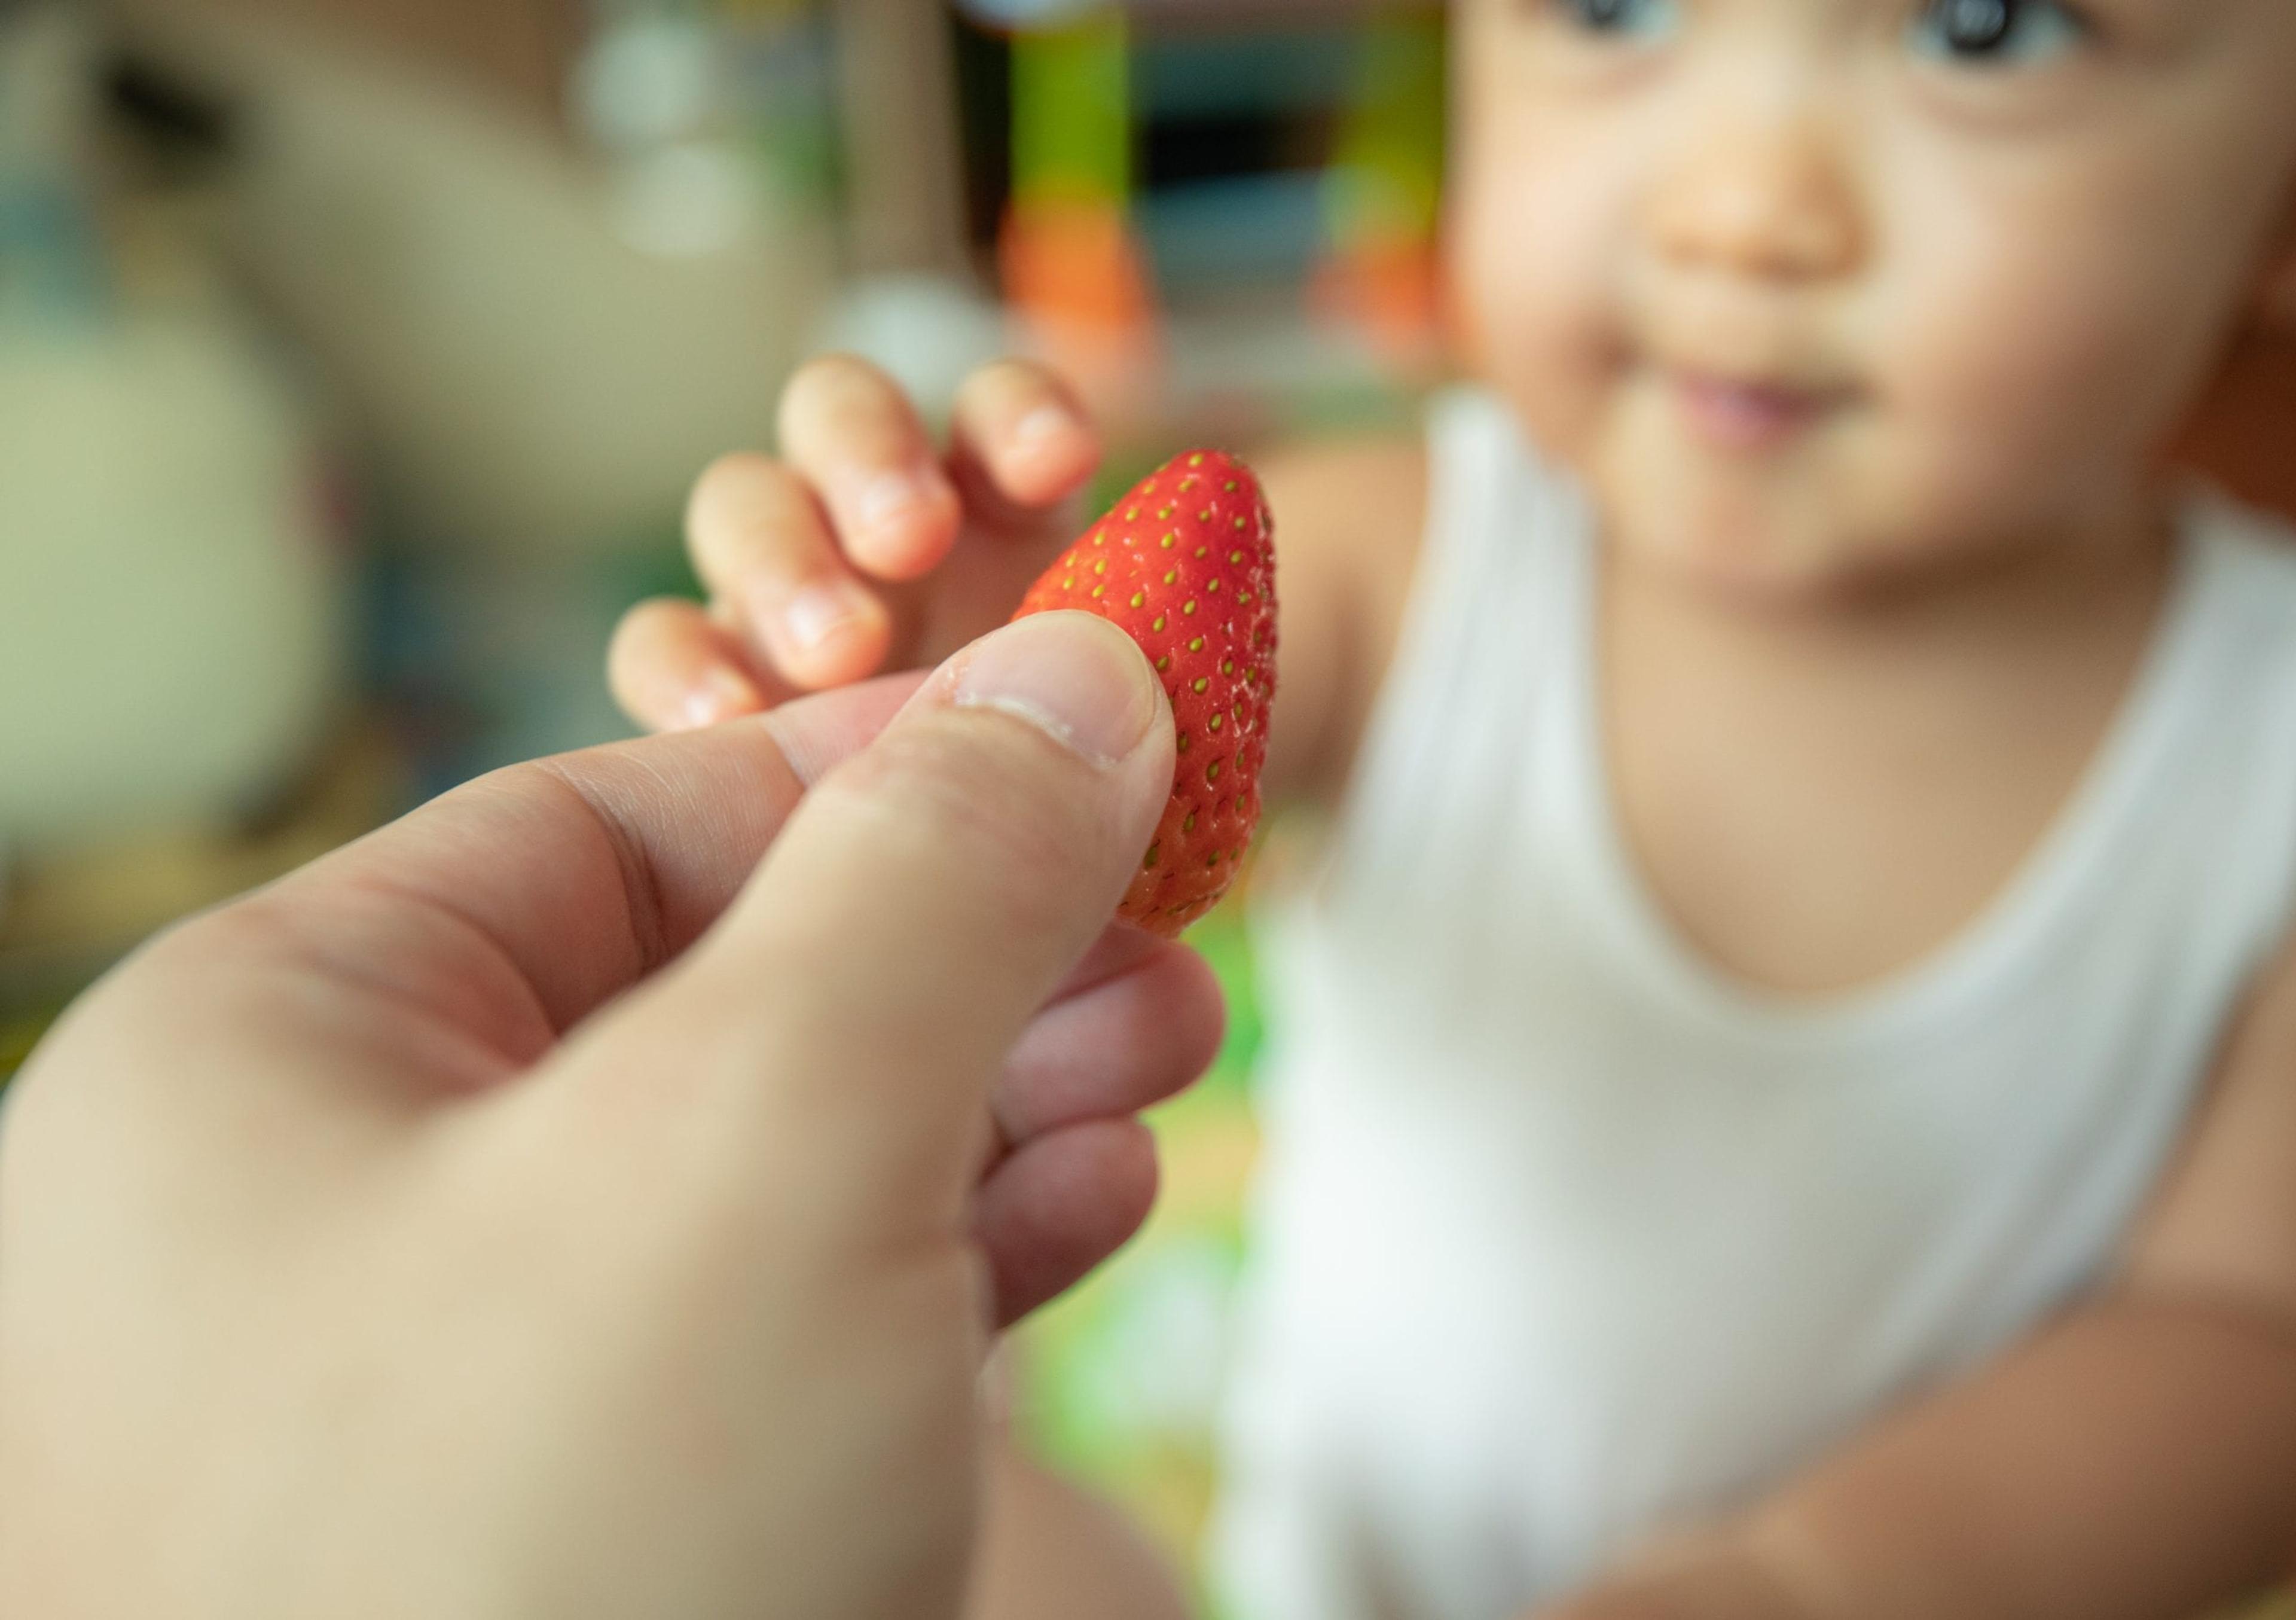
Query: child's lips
[[1746, 416]]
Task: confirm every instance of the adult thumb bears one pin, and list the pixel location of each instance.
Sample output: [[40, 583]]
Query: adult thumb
[[861, 996]]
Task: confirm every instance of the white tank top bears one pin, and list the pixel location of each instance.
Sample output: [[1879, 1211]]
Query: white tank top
[[1562, 1236]]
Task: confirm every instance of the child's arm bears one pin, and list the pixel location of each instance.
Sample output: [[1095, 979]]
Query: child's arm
[[1349, 518], [2138, 1459]]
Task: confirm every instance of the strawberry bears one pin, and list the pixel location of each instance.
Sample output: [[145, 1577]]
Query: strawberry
[[1185, 566]]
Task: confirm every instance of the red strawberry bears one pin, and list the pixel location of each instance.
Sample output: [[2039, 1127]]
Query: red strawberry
[[1185, 566]]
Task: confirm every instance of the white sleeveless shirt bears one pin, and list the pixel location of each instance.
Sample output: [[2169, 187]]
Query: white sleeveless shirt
[[1562, 1236]]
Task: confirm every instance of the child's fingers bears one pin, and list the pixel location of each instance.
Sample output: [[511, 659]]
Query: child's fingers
[[1023, 433], [672, 668], [760, 542], [847, 428]]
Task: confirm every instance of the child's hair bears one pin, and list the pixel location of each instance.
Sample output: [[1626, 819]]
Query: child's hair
[[2244, 436]]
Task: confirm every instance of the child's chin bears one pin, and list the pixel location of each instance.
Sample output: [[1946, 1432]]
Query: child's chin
[[1737, 546]]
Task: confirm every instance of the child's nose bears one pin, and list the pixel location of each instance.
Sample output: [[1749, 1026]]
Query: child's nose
[[1774, 203]]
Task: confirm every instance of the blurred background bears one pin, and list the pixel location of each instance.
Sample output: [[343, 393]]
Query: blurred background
[[356, 356]]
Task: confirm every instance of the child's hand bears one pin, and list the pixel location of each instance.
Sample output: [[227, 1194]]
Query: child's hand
[[863, 548]]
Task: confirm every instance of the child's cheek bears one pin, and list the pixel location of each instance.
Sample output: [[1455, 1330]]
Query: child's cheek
[[1536, 239], [2035, 362], [1991, 429]]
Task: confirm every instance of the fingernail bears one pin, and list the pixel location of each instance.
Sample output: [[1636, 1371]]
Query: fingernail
[[721, 695], [1077, 679], [891, 496], [1043, 423], [819, 614]]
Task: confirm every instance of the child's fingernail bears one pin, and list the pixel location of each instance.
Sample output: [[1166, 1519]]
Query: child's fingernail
[[819, 613], [890, 496], [1079, 679], [721, 696], [1043, 423]]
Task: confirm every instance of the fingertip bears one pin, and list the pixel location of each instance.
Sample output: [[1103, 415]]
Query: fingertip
[[726, 489], [827, 632], [719, 695], [632, 693], [899, 526], [1019, 423], [847, 428], [671, 669], [1049, 455]]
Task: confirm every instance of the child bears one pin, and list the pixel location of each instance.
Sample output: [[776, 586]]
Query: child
[[1792, 1049]]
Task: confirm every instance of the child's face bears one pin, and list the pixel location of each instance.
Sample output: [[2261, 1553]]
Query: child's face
[[1814, 290]]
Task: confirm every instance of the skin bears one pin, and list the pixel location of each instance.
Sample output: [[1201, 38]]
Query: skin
[[592, 1195], [1873, 362]]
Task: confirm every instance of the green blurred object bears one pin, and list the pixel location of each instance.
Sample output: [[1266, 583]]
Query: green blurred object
[[1386, 178], [1072, 113]]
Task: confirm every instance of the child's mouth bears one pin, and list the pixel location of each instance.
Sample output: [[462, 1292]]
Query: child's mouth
[[1748, 417]]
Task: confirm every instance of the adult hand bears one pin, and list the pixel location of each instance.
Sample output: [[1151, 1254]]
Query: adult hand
[[435, 1233]]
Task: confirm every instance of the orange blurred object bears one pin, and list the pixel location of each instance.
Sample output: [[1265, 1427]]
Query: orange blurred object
[[1391, 289], [1077, 275]]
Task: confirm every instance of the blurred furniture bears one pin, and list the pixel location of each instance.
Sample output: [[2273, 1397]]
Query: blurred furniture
[[175, 637], [539, 350], [904, 162], [171, 639]]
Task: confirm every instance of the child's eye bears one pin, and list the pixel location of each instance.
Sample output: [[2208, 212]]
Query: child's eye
[[1997, 33], [1623, 19]]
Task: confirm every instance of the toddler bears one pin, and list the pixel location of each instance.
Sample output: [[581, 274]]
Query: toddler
[[1783, 1097]]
